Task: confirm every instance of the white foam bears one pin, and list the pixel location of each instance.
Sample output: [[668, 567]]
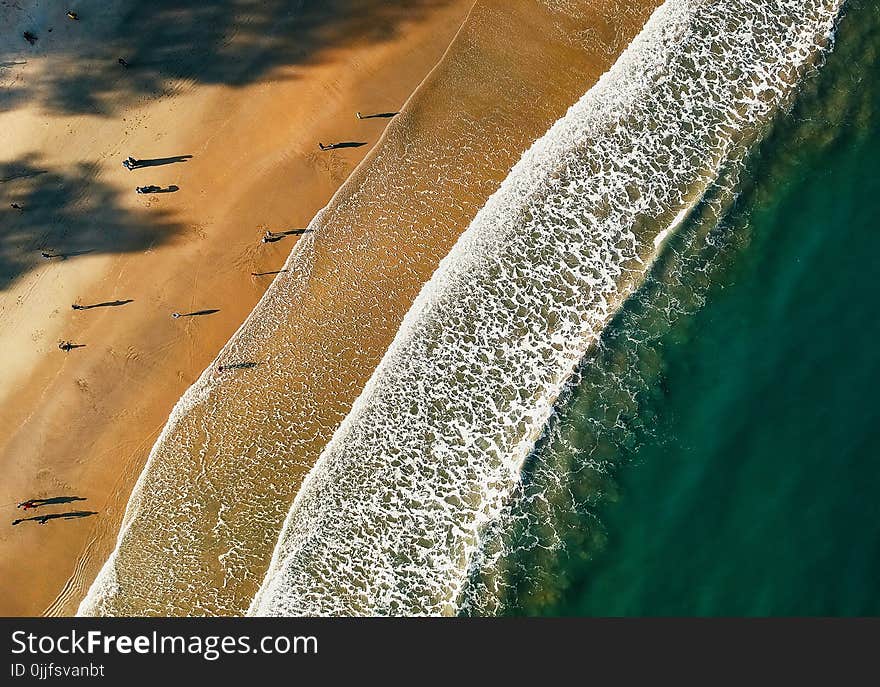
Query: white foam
[[391, 515], [106, 586]]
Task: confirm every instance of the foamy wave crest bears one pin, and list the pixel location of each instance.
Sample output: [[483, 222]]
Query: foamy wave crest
[[391, 515], [107, 589]]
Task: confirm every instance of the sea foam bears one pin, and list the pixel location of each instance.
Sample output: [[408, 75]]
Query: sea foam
[[205, 514], [390, 517]]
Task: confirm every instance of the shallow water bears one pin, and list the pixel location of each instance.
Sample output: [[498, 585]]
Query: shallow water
[[718, 455], [407, 496], [204, 518]]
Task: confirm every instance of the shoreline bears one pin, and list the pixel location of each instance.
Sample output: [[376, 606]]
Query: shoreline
[[86, 419], [492, 97]]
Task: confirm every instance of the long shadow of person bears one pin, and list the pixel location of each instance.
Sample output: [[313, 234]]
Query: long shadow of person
[[377, 115], [50, 254], [70, 515], [266, 274], [53, 501], [343, 144], [273, 236], [159, 161], [105, 304], [195, 313]]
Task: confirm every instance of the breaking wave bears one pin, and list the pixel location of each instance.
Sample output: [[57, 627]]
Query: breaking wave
[[393, 514]]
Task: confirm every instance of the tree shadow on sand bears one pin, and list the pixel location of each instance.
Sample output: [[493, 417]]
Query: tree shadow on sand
[[232, 42], [67, 215]]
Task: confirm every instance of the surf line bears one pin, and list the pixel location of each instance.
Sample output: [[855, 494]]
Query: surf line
[[390, 516]]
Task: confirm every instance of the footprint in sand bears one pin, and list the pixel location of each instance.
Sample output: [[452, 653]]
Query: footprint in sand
[[333, 165], [199, 232]]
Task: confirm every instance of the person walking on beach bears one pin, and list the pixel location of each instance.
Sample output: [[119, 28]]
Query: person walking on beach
[[122, 61], [16, 206], [43, 519], [77, 306], [27, 505], [66, 346]]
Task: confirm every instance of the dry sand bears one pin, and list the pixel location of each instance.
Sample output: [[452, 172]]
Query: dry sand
[[210, 505], [247, 90]]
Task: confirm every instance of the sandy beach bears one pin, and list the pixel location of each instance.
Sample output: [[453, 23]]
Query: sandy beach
[[203, 522], [248, 95], [430, 308]]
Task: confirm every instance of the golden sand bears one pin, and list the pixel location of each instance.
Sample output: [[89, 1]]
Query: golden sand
[[87, 420], [83, 423], [205, 520]]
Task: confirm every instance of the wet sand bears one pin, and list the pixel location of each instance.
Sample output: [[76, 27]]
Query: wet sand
[[205, 517], [248, 96]]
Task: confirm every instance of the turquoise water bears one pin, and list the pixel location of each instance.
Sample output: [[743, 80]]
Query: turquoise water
[[720, 454], [392, 517]]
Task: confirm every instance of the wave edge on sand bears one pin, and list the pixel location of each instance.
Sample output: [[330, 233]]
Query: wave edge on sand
[[202, 527], [390, 516]]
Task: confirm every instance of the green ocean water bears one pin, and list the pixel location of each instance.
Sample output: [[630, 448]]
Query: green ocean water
[[720, 453]]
